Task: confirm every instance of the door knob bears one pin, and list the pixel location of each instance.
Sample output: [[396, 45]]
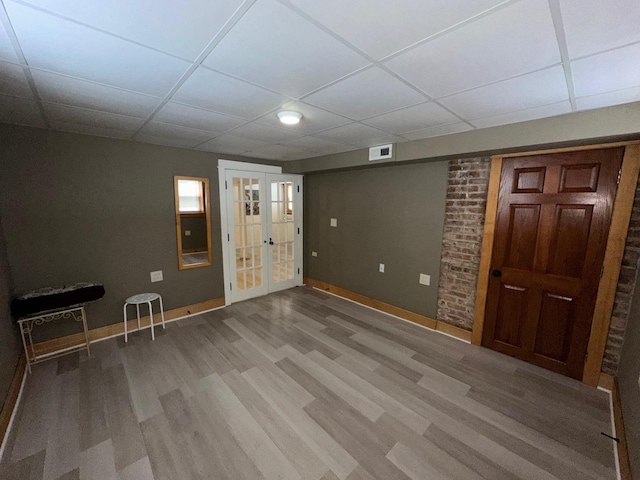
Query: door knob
[[270, 241], [496, 273]]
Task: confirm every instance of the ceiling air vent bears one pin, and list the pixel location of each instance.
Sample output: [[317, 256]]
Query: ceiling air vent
[[382, 152]]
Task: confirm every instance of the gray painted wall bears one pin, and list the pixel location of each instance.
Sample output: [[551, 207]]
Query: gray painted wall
[[392, 215], [78, 208], [10, 347], [628, 374]]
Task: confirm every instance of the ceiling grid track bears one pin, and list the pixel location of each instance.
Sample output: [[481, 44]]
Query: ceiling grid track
[[235, 18], [373, 61], [380, 63], [94, 28], [556, 16]]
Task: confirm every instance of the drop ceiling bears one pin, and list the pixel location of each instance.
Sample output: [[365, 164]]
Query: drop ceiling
[[211, 75]]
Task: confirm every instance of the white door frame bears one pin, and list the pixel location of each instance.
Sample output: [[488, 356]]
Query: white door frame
[[223, 166]]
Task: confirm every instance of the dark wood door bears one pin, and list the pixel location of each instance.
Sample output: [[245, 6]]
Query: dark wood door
[[552, 224]]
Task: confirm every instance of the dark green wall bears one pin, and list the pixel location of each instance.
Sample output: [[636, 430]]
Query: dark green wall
[[80, 208], [198, 228], [628, 374], [10, 347], [392, 215]]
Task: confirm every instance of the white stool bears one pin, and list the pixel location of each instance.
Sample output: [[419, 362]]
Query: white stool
[[137, 300]]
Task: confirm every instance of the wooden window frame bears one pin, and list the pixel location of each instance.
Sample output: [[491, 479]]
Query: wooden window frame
[[206, 213], [616, 241]]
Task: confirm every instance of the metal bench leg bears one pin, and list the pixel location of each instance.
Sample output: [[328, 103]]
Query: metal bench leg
[[162, 312], [124, 314], [153, 333], [138, 312]]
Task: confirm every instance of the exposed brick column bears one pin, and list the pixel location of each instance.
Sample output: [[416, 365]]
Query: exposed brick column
[[462, 240], [624, 291]]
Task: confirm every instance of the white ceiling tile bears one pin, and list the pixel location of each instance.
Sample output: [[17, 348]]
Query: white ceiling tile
[[80, 93], [314, 146], [276, 48], [351, 134], [20, 111], [627, 95], [366, 94], [277, 152], [265, 133], [438, 131], [528, 91], [64, 114], [174, 27], [379, 141], [189, 135], [223, 94], [166, 141], [232, 145], [311, 143], [61, 46], [408, 119], [379, 29], [606, 72], [509, 42], [331, 151], [198, 118], [543, 111], [13, 81], [592, 26], [313, 119], [6, 48], [89, 130]]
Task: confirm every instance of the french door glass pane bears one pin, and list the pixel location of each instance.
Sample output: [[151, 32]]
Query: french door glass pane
[[248, 232], [282, 251]]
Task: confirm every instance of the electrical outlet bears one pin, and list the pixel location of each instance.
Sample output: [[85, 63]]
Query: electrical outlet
[[381, 268], [334, 222], [187, 233], [425, 279], [156, 276], [314, 254]]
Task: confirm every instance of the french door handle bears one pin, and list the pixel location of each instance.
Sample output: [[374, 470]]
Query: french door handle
[[270, 241]]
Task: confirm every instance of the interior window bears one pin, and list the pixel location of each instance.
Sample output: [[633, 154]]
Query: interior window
[[193, 227]]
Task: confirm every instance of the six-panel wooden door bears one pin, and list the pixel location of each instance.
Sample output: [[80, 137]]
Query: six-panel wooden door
[[552, 223]]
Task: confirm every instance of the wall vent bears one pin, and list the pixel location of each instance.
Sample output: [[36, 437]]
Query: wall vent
[[381, 152]]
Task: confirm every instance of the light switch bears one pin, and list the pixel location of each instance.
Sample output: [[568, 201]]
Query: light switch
[[334, 222], [425, 279], [314, 254], [381, 268], [187, 233]]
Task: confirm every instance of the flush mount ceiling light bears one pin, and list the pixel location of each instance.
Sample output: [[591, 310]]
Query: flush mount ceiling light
[[289, 117]]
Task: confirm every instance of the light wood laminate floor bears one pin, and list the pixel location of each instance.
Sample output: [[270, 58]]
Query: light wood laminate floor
[[303, 385]]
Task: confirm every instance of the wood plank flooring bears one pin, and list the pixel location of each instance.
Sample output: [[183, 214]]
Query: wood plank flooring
[[301, 385]]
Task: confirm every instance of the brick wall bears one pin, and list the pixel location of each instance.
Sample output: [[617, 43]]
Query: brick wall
[[624, 292], [462, 244], [462, 240]]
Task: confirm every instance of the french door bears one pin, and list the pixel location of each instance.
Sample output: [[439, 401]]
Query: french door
[[264, 225]]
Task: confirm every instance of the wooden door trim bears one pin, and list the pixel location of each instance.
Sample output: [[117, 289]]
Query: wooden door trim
[[613, 256], [612, 264], [487, 249]]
